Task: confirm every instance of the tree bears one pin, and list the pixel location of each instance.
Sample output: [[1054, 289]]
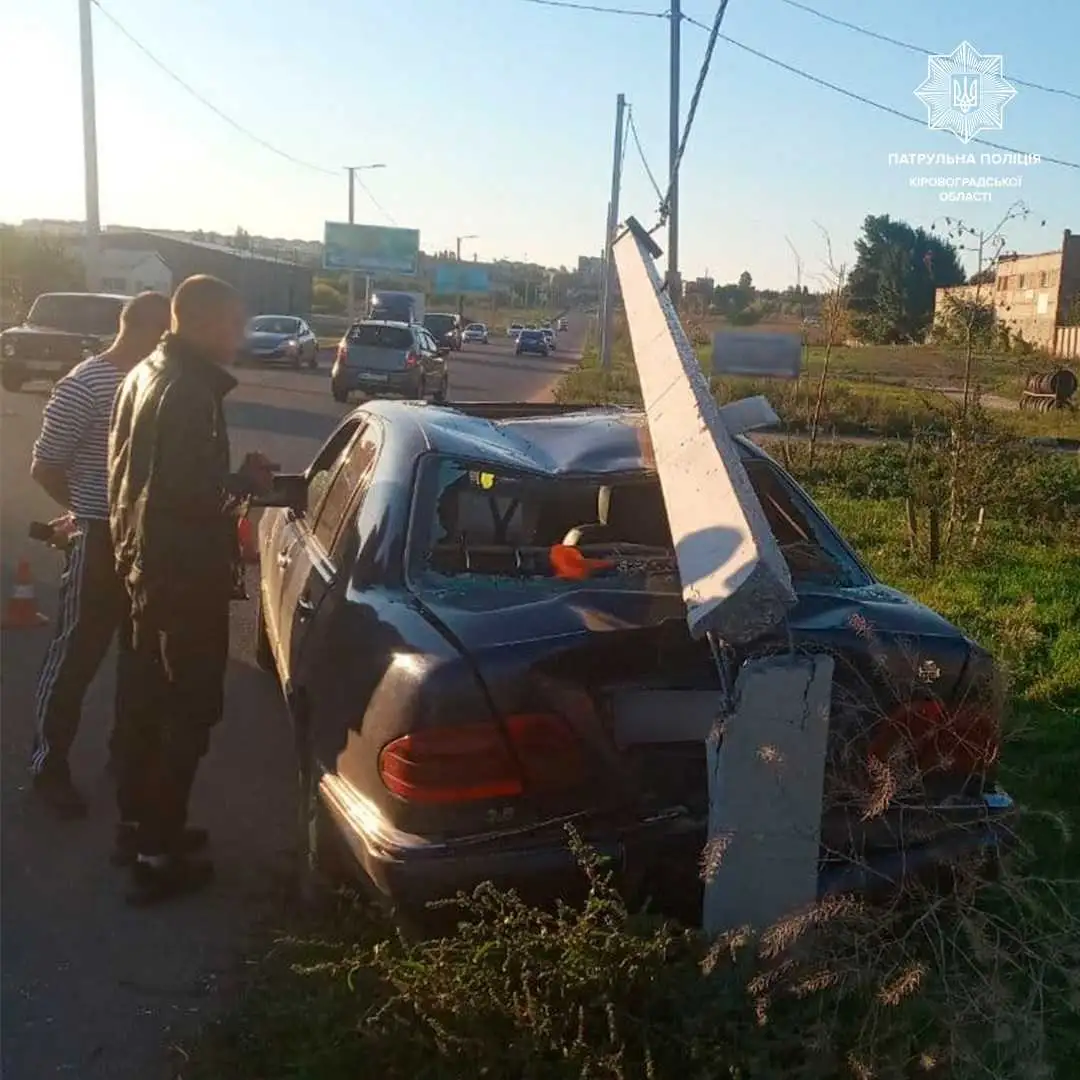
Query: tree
[[892, 285], [31, 265], [746, 282]]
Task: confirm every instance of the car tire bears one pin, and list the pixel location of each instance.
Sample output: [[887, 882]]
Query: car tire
[[12, 378], [439, 397], [264, 654]]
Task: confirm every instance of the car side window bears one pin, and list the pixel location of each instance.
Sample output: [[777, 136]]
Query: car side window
[[427, 342], [354, 469], [326, 464]]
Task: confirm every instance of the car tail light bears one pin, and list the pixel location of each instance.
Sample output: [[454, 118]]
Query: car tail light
[[471, 762], [960, 741], [411, 359]]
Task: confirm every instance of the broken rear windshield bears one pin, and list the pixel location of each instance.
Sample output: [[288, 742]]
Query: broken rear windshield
[[507, 530]]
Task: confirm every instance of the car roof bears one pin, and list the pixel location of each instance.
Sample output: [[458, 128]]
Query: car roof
[[382, 322], [96, 295], [558, 440], [270, 316]]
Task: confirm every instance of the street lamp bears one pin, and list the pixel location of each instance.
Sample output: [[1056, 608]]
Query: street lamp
[[461, 296], [352, 170]]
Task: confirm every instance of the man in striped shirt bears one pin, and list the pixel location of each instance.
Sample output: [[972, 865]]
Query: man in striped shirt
[[70, 462]]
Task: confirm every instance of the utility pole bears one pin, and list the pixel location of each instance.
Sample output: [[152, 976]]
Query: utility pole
[[461, 296], [607, 313], [89, 110], [674, 284], [352, 170]]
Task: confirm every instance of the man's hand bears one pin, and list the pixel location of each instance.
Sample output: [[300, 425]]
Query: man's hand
[[257, 472]]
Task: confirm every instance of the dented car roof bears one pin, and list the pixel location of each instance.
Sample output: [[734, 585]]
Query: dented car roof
[[593, 440]]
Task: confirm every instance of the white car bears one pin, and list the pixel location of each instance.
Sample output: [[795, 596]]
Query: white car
[[515, 330], [549, 337], [476, 331]]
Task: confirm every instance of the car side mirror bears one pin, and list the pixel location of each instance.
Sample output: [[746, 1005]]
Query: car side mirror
[[289, 491]]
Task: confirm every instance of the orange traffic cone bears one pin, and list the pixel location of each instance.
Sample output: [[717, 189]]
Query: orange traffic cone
[[248, 550], [22, 610]]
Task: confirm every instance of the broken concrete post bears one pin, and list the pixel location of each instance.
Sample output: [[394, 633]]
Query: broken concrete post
[[766, 771], [735, 581]]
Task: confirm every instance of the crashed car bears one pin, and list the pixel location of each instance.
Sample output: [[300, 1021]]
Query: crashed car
[[467, 606]]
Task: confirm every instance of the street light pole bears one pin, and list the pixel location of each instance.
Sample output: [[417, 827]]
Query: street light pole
[[89, 111], [461, 296], [352, 170]]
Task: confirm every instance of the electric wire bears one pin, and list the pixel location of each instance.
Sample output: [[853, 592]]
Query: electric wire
[[572, 5], [869, 101], [866, 31], [644, 160]]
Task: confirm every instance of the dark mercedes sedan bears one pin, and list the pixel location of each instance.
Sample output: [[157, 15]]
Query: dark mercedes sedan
[[459, 695]]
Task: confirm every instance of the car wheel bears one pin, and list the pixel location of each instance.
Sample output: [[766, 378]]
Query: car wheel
[[12, 378], [439, 397], [264, 654]]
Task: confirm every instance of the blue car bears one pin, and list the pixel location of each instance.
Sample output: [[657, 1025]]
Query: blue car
[[532, 341]]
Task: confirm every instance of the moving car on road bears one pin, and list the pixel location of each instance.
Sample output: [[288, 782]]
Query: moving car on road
[[532, 341], [60, 330], [458, 697], [445, 328], [279, 339], [514, 330], [549, 337], [390, 359], [477, 332]]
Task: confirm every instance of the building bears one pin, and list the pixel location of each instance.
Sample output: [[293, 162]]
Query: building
[[1036, 296], [266, 284], [132, 272]]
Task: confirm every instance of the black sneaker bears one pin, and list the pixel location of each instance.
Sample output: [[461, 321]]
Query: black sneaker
[[126, 847], [174, 876], [56, 791]]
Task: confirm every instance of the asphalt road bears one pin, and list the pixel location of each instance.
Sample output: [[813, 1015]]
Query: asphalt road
[[92, 989]]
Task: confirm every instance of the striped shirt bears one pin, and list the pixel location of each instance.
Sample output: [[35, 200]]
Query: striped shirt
[[75, 433]]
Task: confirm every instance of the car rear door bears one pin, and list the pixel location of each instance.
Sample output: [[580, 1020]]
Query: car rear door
[[434, 364], [316, 562], [289, 533]]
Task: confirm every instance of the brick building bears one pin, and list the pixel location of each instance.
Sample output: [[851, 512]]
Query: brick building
[[1036, 296]]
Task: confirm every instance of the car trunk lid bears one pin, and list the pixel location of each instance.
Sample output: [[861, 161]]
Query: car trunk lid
[[378, 348]]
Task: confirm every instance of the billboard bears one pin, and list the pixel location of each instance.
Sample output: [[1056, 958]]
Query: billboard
[[371, 249], [459, 277]]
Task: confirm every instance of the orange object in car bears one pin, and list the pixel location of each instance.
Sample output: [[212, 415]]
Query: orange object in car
[[569, 563]]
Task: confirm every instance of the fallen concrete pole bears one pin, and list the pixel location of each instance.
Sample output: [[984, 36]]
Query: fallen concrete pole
[[766, 772], [735, 581]]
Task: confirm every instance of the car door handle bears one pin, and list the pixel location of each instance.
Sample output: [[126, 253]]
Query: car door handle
[[305, 607]]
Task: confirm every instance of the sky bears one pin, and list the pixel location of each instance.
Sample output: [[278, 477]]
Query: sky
[[496, 118]]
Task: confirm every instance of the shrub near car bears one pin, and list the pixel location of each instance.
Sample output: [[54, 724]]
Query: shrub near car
[[279, 339], [532, 341], [389, 359], [61, 329], [458, 697]]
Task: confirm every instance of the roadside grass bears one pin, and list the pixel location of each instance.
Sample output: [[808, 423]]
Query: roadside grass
[[852, 406], [981, 981]]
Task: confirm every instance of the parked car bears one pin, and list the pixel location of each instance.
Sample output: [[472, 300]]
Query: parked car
[[456, 702], [395, 359], [477, 332], [549, 337], [514, 329], [532, 341], [279, 339], [445, 328], [61, 330]]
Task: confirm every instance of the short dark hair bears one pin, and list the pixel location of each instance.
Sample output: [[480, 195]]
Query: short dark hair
[[199, 294], [145, 311]]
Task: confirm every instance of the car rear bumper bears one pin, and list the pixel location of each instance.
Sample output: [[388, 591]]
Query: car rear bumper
[[404, 384], [532, 352], [651, 858]]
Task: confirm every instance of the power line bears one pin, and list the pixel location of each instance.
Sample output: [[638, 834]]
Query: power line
[[641, 154], [714, 33], [869, 101], [572, 5], [375, 202], [915, 48]]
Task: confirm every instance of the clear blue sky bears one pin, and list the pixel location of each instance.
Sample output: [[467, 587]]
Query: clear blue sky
[[495, 117]]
